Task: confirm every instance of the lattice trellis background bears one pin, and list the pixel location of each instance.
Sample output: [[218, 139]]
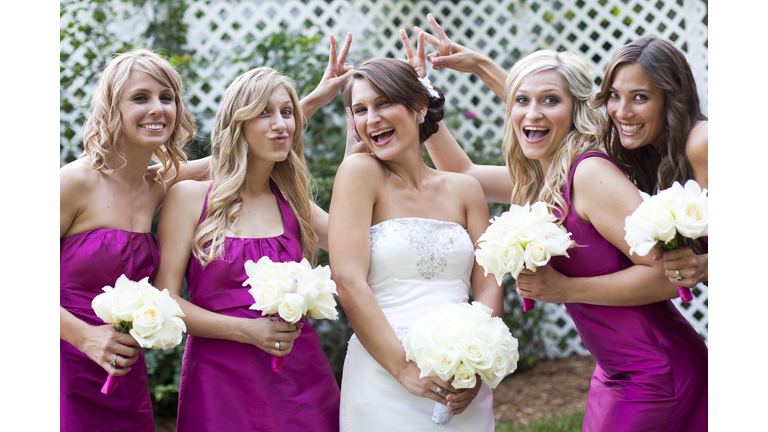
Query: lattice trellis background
[[505, 30]]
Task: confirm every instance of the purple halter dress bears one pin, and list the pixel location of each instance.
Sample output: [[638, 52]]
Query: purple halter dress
[[89, 261], [651, 372], [229, 386]]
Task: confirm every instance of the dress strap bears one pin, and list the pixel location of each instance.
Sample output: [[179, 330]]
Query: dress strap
[[291, 229], [578, 160], [205, 205]]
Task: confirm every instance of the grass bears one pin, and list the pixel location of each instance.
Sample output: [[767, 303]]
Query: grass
[[556, 423]]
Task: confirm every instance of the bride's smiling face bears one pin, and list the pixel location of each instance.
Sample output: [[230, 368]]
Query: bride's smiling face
[[385, 127]]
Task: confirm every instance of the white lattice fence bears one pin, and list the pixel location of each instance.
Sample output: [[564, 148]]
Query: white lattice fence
[[505, 30]]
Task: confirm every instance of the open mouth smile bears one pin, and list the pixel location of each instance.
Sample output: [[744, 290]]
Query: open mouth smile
[[630, 129], [535, 134], [382, 136]]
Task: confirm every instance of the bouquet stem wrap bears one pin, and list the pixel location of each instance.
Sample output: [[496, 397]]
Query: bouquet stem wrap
[[277, 364], [685, 294], [109, 385], [441, 414], [527, 304]]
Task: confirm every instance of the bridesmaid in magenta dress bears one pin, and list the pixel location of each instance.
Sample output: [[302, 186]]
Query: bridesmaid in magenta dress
[[651, 369], [658, 133], [258, 204], [108, 199]]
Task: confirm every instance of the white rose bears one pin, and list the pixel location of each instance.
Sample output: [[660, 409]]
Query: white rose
[[167, 306], [489, 255], [426, 362], [555, 239], [150, 293], [663, 223], [169, 334], [446, 362], [104, 304], [268, 295], [513, 258], [692, 214], [147, 322], [325, 308], [536, 255], [464, 377], [477, 355], [290, 309], [129, 300], [260, 271], [540, 213], [640, 230]]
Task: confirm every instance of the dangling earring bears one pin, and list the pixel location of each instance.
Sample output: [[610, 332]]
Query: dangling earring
[[420, 119]]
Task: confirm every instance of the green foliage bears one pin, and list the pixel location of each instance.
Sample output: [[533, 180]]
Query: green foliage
[[556, 423], [301, 57]]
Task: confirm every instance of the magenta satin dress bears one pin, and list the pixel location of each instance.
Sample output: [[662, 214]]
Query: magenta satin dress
[[229, 386], [89, 261], [651, 372]]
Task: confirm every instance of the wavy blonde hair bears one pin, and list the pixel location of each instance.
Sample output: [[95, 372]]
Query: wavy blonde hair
[[102, 130], [245, 99], [529, 183]]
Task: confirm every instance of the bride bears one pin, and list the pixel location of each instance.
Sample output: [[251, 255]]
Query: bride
[[401, 241]]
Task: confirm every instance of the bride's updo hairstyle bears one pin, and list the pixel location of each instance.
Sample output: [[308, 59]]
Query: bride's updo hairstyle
[[102, 129], [585, 135], [396, 81]]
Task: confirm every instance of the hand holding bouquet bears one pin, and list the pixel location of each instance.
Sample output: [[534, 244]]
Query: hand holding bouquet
[[458, 342], [666, 220], [151, 316], [292, 290], [523, 237]]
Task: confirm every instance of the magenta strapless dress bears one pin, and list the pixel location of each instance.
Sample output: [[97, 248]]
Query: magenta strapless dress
[[229, 386], [651, 372], [89, 261]]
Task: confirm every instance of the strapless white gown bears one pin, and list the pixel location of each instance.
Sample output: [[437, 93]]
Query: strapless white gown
[[416, 265]]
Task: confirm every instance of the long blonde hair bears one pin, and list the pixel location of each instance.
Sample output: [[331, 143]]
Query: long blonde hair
[[245, 99], [102, 129], [529, 183]]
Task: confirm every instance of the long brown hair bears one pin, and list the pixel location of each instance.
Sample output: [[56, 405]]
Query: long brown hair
[[656, 167]]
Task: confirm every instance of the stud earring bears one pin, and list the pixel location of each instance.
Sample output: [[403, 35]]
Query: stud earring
[[420, 119]]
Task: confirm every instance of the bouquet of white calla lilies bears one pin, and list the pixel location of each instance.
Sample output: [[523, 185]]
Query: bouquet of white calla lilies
[[664, 220], [522, 237], [291, 290], [151, 316], [459, 342]]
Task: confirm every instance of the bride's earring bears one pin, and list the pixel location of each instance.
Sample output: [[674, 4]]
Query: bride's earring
[[420, 119]]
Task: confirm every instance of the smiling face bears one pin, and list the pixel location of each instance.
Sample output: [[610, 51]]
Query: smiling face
[[636, 107], [385, 127], [542, 115], [270, 134], [147, 111]]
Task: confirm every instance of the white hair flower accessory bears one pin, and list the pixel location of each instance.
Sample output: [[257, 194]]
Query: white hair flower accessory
[[428, 84]]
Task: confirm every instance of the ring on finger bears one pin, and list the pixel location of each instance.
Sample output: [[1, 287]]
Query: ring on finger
[[439, 390], [114, 361], [678, 277], [277, 346]]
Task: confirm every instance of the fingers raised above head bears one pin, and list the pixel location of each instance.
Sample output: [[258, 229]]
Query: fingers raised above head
[[428, 37], [420, 46], [436, 27], [345, 49], [406, 44]]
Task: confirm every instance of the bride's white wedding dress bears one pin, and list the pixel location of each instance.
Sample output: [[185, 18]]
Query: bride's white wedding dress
[[416, 265]]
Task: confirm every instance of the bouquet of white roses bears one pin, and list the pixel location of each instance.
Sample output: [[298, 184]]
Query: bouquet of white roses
[[523, 237], [458, 342], [151, 316], [664, 220], [292, 290]]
